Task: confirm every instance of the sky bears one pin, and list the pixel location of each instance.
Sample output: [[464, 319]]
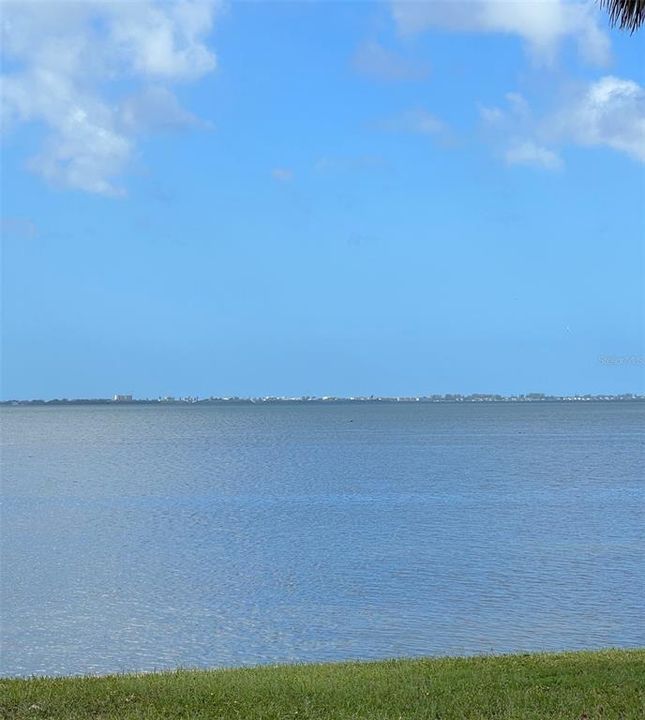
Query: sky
[[320, 198]]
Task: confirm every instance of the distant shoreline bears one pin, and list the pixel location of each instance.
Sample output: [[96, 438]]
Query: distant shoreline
[[373, 400]]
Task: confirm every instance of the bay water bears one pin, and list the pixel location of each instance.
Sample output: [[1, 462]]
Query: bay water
[[138, 538]]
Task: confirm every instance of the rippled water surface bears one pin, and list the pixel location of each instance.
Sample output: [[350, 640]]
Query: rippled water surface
[[140, 538]]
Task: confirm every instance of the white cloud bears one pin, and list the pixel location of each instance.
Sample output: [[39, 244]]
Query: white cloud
[[162, 40], [94, 74], [492, 116], [282, 174], [155, 108], [514, 130], [527, 152], [418, 121], [609, 112], [516, 116], [375, 61], [542, 24], [424, 122]]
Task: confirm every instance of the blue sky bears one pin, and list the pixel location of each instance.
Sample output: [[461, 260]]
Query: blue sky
[[321, 198]]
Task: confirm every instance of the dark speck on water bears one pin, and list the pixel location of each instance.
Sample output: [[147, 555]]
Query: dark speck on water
[[144, 538]]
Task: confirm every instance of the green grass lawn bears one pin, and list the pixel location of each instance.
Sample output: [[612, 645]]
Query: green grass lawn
[[594, 685]]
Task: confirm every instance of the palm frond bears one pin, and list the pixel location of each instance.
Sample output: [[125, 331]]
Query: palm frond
[[628, 14]]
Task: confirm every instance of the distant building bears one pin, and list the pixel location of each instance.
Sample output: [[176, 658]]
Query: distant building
[[122, 398]]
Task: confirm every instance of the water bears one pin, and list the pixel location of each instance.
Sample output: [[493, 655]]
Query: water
[[142, 538]]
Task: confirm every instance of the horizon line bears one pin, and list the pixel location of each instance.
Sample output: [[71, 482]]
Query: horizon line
[[125, 399]]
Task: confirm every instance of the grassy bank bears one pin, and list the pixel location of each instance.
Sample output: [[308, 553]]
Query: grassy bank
[[594, 685]]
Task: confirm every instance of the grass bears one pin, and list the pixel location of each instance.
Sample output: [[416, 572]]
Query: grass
[[583, 685]]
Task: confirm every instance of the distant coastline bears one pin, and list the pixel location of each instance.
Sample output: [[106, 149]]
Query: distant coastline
[[330, 400]]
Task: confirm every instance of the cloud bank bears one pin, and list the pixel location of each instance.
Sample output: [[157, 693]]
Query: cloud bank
[[542, 24], [609, 112], [97, 74]]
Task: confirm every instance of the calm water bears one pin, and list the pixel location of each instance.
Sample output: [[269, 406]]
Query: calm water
[[140, 538]]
